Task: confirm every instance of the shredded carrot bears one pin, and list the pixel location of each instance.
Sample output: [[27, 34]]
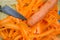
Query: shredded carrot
[[42, 12], [41, 24]]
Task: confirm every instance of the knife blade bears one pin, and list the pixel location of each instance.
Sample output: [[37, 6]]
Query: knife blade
[[8, 10]]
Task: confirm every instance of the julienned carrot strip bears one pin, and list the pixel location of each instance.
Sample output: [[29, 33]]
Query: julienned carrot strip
[[27, 1], [21, 3], [36, 29], [11, 33], [15, 34], [29, 7], [31, 4], [24, 28], [18, 37], [11, 26], [46, 38], [30, 13], [35, 8], [6, 20], [55, 38], [46, 33], [17, 6], [2, 29], [38, 3], [20, 10], [3, 35], [59, 17], [42, 12]]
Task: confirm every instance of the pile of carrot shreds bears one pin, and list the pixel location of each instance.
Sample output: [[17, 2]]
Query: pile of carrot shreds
[[41, 24]]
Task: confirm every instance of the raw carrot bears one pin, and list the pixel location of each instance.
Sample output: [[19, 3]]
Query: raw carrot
[[18, 37], [42, 12], [12, 28]]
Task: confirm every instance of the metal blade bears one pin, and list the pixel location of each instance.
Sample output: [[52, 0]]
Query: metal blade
[[10, 11]]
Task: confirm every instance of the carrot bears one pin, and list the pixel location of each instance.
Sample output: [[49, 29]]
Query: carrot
[[3, 35], [11, 33], [15, 34], [55, 38], [59, 17], [24, 28], [18, 37], [35, 8], [29, 7], [12, 28], [21, 2], [46, 33], [38, 3], [42, 12]]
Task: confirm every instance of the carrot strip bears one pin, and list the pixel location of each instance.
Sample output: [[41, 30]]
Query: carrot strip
[[18, 37], [11, 26], [42, 12], [21, 3], [29, 7], [15, 34], [46, 33], [10, 33], [2, 34]]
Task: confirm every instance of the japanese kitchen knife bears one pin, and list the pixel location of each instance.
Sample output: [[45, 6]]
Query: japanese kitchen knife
[[10, 11]]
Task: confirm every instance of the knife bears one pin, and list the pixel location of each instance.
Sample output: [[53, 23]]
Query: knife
[[7, 10]]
